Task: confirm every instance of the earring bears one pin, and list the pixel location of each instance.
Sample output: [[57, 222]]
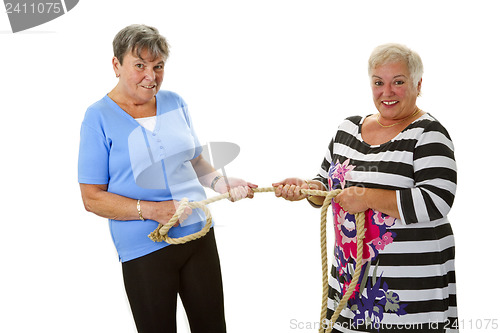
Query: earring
[[117, 75]]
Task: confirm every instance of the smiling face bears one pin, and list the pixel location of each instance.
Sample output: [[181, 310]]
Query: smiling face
[[393, 92], [140, 77]]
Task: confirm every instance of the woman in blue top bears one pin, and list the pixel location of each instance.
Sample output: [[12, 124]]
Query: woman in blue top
[[139, 156]]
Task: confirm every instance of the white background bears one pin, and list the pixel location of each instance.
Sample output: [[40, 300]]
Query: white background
[[274, 77]]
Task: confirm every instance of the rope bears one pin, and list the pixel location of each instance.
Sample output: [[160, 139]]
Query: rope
[[161, 234]]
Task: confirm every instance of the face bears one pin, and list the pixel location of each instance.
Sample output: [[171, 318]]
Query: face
[[393, 92], [140, 79]]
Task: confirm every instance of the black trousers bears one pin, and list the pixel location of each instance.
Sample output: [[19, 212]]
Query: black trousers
[[191, 270]]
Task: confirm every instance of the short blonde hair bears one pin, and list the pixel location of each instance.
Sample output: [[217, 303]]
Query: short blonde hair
[[392, 52]]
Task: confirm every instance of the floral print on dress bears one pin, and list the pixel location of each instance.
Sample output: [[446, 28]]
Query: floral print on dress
[[372, 297], [339, 173]]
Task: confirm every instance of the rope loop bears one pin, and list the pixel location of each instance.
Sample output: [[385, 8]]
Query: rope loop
[[161, 234]]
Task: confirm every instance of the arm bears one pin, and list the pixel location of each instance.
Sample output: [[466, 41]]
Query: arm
[[435, 177], [99, 201], [352, 199], [359, 199], [238, 188]]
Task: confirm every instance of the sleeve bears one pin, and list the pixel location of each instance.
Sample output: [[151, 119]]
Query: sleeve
[[93, 166], [322, 175], [435, 176]]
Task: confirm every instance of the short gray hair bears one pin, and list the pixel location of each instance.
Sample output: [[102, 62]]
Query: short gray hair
[[136, 38], [390, 53]]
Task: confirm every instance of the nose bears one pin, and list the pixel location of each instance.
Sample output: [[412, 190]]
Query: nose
[[150, 74], [388, 90]]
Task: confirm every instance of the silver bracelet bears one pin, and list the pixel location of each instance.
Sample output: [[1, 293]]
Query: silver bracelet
[[214, 181]]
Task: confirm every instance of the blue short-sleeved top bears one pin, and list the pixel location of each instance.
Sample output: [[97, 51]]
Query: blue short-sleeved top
[[141, 164]]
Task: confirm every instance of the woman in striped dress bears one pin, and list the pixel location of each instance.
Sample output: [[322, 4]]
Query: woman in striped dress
[[398, 167]]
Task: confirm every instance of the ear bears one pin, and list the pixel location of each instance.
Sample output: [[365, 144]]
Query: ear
[[419, 87], [116, 66]]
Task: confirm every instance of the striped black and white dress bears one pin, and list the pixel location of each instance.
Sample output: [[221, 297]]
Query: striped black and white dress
[[408, 276]]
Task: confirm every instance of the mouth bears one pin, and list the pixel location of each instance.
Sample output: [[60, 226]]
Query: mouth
[[389, 103], [152, 86]]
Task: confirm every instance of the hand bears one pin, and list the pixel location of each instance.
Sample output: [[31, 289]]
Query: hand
[[290, 189], [166, 209], [237, 188], [352, 199]]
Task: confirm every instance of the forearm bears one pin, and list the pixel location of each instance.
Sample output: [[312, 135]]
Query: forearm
[[204, 170], [384, 201], [109, 205], [358, 199], [99, 201]]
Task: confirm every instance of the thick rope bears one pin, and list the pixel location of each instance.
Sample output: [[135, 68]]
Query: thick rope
[[161, 234]]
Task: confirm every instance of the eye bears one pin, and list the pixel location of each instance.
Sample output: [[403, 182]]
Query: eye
[[399, 82], [140, 66], [159, 67], [378, 83]]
